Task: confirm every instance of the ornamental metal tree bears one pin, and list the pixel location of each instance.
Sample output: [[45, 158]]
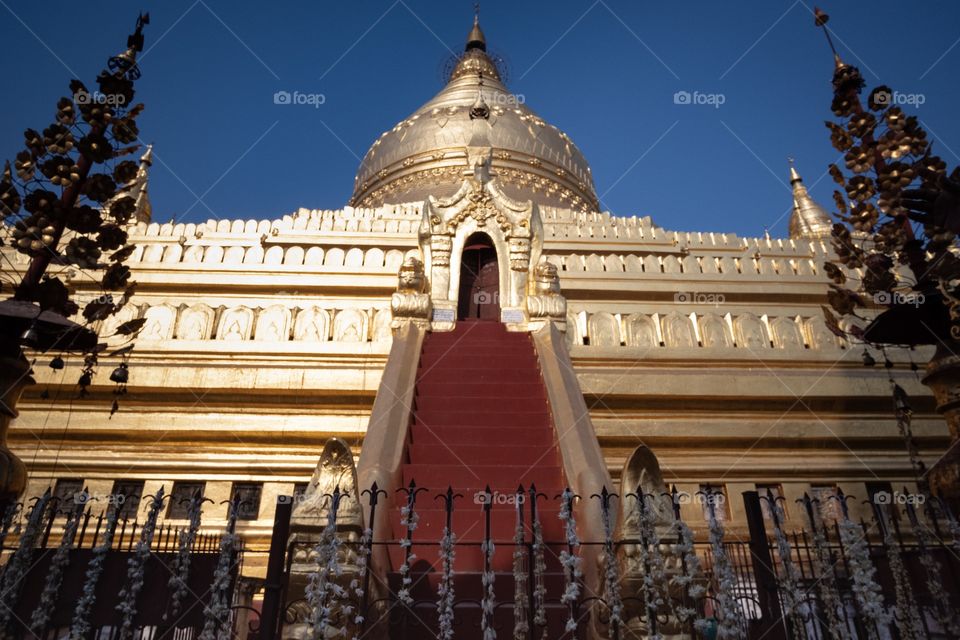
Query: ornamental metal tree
[[61, 206], [899, 213]]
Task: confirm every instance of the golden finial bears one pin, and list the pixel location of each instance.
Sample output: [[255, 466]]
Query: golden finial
[[476, 40], [794, 176], [808, 219]]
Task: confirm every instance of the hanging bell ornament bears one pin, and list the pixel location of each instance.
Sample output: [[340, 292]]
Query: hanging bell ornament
[[901, 401], [868, 360], [121, 374], [57, 363]]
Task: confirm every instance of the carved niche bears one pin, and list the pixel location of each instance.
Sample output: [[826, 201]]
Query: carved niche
[[273, 324], [159, 322], [604, 330], [381, 326], [819, 336], [235, 324], [312, 325], [714, 331], [750, 332], [678, 331], [196, 322], [350, 325], [109, 329], [786, 333], [641, 331]]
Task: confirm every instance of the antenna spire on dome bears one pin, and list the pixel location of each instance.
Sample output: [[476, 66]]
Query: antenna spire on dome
[[476, 40]]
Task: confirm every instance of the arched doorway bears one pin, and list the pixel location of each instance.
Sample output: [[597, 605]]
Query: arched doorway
[[479, 297]]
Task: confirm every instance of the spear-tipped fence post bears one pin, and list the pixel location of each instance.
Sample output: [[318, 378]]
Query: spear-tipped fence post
[[762, 562], [373, 493], [273, 587]]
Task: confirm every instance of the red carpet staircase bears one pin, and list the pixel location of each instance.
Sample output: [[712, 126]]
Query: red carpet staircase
[[480, 417]]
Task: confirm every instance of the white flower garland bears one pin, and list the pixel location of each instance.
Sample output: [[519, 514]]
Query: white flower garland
[[7, 521], [80, 627], [908, 622], [521, 600], [654, 572], [731, 620], [181, 564], [611, 573], [409, 518], [51, 587], [945, 616], [690, 571], [954, 526], [489, 597], [862, 571], [135, 566], [794, 599], [323, 591], [445, 593], [833, 607], [539, 569], [569, 560], [20, 562], [216, 621], [356, 584]]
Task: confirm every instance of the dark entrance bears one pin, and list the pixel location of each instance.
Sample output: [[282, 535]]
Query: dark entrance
[[479, 280]]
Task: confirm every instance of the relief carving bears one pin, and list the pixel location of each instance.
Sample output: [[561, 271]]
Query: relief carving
[[159, 322], [235, 324], [750, 332], [196, 322], [678, 331], [715, 332], [312, 325], [786, 333], [350, 325], [641, 331], [604, 330], [273, 324]]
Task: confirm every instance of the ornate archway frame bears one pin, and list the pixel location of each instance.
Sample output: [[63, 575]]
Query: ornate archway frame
[[479, 206]]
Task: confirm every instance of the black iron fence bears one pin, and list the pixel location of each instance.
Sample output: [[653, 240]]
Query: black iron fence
[[71, 572], [894, 575]]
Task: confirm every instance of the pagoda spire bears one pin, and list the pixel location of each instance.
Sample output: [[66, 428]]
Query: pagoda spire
[[808, 219], [476, 39]]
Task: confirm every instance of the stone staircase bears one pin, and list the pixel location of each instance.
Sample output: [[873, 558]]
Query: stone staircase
[[480, 418]]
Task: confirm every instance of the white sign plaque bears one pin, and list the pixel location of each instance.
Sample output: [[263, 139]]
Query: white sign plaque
[[511, 315], [444, 315]]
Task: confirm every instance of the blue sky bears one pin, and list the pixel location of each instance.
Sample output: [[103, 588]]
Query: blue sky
[[604, 71]]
